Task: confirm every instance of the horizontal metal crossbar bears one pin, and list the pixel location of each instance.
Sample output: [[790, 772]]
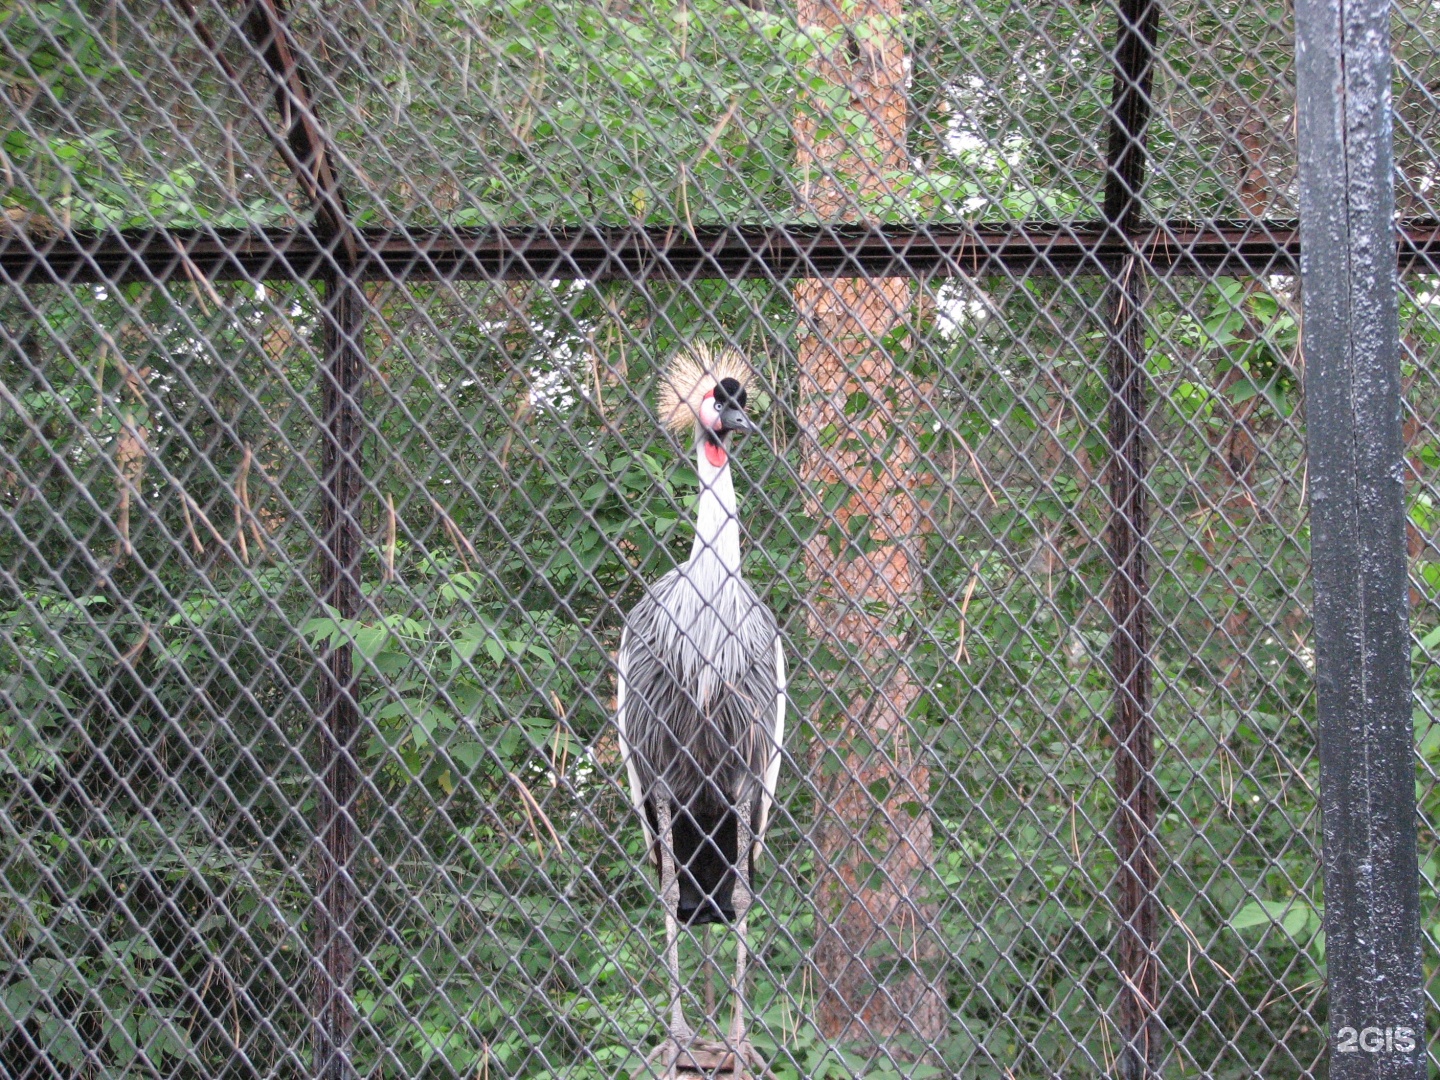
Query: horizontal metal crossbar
[[658, 252]]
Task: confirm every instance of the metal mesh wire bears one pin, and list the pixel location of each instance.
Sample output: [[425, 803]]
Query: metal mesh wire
[[928, 511]]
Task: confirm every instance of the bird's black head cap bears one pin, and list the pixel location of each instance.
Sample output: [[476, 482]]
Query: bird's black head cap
[[729, 392]]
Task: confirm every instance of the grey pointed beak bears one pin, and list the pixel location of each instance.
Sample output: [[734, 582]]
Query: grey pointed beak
[[733, 419]]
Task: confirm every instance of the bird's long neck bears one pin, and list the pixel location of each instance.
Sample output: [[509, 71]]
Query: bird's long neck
[[717, 527]]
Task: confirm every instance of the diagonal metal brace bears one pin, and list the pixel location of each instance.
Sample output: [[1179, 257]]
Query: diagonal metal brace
[[300, 138]]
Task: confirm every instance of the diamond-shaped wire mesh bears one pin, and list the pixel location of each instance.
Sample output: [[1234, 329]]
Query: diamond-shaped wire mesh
[[928, 509]]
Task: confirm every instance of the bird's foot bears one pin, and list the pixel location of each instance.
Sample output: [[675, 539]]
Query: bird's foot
[[692, 1059], [745, 1056], [671, 1055]]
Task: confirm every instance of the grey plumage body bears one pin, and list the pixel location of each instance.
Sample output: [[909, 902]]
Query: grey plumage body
[[700, 701], [702, 675]]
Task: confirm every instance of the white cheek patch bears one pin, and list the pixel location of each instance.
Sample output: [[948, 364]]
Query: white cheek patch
[[709, 414]]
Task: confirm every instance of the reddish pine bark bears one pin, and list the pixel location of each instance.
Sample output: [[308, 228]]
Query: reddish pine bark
[[873, 835]]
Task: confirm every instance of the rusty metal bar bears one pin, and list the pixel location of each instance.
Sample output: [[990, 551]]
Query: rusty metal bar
[[265, 25], [302, 143], [340, 588], [1132, 724], [312, 159], [652, 253]]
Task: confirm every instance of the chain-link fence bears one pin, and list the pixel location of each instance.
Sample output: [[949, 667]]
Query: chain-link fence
[[331, 464]]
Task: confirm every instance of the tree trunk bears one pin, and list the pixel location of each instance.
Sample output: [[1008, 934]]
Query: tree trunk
[[873, 836]]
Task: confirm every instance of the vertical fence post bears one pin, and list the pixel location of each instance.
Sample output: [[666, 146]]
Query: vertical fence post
[[303, 143], [1133, 728], [1357, 522], [340, 587]]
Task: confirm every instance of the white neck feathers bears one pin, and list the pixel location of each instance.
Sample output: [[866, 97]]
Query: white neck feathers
[[717, 527]]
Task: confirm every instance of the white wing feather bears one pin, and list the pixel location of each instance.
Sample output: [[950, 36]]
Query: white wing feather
[[637, 796], [772, 767]]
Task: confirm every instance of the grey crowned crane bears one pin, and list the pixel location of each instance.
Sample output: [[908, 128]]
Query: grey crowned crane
[[701, 699]]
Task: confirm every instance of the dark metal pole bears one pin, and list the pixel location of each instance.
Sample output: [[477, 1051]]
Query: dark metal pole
[[303, 142], [340, 586], [1357, 528], [651, 253], [1132, 725]]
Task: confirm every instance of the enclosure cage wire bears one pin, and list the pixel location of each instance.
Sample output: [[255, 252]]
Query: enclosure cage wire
[[331, 465]]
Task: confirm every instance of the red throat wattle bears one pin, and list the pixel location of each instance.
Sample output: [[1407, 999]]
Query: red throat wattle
[[715, 454]]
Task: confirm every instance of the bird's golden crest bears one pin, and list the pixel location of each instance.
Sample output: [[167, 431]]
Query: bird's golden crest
[[696, 370]]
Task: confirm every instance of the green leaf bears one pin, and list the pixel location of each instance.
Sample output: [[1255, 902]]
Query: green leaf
[[370, 640], [468, 754], [61, 1043], [1258, 913]]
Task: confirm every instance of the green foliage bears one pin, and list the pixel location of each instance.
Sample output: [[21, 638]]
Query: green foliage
[[158, 686], [486, 112], [506, 926]]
